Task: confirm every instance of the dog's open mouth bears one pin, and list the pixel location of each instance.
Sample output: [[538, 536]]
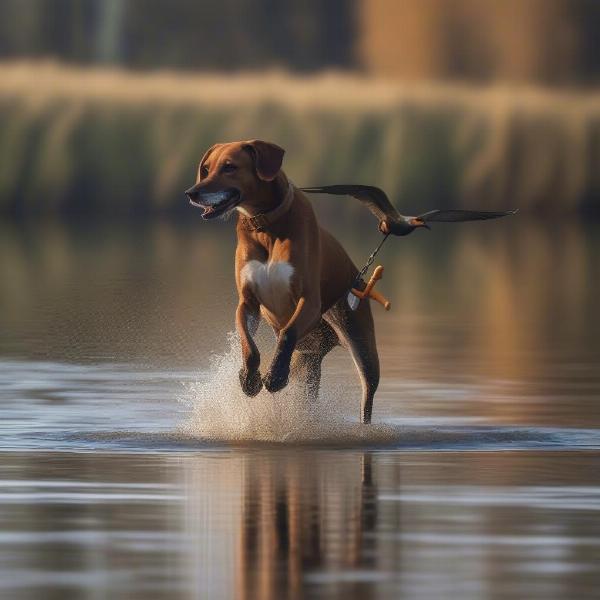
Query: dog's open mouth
[[215, 204]]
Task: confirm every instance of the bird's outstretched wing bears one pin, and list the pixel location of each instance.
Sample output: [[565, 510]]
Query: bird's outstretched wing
[[390, 220], [373, 198], [455, 215]]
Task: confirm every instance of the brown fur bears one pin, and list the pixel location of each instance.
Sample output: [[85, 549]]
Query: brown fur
[[317, 317]]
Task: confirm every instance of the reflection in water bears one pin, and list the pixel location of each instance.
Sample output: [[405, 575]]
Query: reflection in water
[[291, 523], [512, 280], [287, 522], [294, 515]]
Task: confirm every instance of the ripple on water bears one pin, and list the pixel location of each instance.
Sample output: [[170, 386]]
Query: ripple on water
[[126, 408]]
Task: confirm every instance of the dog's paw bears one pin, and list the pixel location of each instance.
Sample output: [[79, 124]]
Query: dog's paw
[[251, 382], [275, 381]]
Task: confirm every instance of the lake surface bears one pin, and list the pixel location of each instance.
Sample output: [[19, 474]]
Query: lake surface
[[131, 465]]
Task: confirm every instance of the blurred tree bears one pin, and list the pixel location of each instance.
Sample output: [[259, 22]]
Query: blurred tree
[[208, 35], [543, 41], [110, 30], [20, 27]]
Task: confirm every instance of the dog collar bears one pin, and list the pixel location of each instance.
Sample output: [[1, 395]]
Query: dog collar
[[261, 221]]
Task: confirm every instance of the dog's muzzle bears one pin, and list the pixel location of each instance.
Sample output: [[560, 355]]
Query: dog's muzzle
[[214, 204]]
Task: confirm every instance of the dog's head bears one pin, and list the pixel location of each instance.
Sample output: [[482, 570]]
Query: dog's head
[[234, 174]]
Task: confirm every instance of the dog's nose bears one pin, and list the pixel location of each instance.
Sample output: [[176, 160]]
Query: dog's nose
[[192, 193]]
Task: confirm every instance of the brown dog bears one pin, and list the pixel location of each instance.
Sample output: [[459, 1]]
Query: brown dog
[[288, 269]]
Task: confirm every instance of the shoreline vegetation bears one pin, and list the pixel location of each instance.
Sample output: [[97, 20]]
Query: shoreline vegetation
[[105, 141]]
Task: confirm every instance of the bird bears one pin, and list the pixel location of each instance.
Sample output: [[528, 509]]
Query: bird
[[391, 221]]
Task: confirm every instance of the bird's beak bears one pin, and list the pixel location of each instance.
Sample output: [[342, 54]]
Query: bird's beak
[[416, 222]]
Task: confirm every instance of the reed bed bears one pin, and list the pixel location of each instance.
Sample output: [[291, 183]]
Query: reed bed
[[114, 142]]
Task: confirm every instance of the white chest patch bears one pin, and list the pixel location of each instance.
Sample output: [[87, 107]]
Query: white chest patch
[[270, 283]]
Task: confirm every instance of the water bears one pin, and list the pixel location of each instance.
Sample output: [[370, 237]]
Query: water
[[132, 466]]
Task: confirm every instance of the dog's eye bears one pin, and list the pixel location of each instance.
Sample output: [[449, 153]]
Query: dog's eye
[[204, 171], [228, 168]]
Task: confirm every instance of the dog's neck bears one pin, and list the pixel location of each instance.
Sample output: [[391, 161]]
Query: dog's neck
[[271, 195], [263, 220]]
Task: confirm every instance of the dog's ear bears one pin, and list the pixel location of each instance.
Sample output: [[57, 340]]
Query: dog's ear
[[267, 158], [205, 157]]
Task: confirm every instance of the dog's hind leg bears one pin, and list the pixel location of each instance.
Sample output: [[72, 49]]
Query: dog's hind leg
[[356, 332], [306, 362]]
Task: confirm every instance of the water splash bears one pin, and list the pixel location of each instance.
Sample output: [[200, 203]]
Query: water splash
[[221, 412]]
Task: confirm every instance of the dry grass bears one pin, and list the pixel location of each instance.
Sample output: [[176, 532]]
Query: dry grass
[[112, 141]]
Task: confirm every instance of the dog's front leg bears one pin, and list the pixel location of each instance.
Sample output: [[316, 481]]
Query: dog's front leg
[[246, 320], [299, 324]]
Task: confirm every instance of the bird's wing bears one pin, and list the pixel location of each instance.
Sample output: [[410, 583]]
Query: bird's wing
[[455, 215], [372, 197]]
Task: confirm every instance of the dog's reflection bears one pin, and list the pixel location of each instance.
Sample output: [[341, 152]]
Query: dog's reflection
[[304, 515], [270, 524]]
